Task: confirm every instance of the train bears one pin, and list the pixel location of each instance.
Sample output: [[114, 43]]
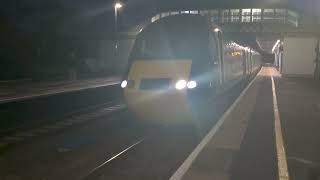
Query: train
[[177, 64]]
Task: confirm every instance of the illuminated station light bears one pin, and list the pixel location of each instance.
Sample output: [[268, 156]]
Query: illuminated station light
[[216, 30], [118, 5]]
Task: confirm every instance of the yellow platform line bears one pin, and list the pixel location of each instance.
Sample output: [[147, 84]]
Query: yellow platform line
[[281, 153]]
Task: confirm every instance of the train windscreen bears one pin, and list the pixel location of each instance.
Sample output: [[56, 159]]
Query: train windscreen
[[167, 40]]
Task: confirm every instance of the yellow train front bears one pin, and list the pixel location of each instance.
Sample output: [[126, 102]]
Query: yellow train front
[[176, 65]]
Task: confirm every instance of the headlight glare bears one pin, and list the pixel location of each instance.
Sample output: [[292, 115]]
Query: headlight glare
[[181, 84], [192, 84], [124, 83]]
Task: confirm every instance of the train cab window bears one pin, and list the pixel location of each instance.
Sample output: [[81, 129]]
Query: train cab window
[[169, 40]]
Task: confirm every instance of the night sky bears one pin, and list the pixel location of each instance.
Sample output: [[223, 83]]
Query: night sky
[[91, 15], [45, 32]]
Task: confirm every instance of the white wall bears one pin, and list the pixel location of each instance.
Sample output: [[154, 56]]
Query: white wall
[[298, 56]]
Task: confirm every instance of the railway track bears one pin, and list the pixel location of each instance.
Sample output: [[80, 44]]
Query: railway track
[[37, 112], [160, 153], [115, 146], [20, 134]]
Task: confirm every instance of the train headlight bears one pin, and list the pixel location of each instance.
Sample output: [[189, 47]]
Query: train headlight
[[191, 84], [181, 84], [124, 83]]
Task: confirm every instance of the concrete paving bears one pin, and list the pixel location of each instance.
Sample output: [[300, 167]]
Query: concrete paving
[[246, 145], [299, 105], [257, 156]]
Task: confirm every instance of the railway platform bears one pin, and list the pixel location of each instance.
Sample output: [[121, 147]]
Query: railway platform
[[15, 91], [270, 132]]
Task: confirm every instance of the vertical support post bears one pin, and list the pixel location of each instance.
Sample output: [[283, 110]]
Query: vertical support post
[[116, 28], [219, 16], [262, 20], [250, 60], [317, 61], [274, 16], [286, 17], [221, 56]]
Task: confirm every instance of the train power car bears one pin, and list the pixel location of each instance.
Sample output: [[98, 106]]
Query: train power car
[[177, 64]]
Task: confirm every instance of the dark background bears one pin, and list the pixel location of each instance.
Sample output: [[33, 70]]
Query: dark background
[[44, 39]]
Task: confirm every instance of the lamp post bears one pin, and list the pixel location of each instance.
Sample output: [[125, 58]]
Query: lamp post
[[117, 6]]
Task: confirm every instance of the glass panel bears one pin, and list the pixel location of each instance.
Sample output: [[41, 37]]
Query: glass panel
[[256, 15], [280, 15], [225, 12], [246, 15], [268, 11], [215, 12], [256, 12], [153, 19], [225, 15], [281, 12], [194, 12], [291, 13], [173, 40], [235, 12], [165, 14], [156, 17], [246, 12], [293, 18], [235, 15], [214, 16], [174, 13], [204, 12], [268, 15]]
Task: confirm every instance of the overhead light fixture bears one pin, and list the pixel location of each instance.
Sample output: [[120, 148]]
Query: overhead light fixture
[[216, 30], [118, 5]]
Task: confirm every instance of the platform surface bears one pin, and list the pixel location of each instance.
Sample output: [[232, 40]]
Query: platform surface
[[20, 90], [252, 142]]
